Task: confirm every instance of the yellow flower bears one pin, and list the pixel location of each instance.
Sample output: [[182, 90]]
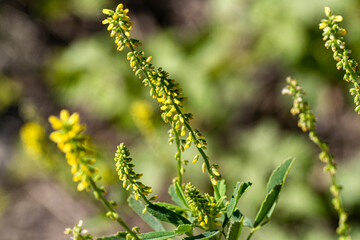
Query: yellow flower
[[322, 25]]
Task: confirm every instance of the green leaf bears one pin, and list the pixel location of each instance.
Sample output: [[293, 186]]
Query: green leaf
[[279, 175], [166, 215], [239, 189], [183, 228], [222, 187], [157, 235], [179, 192], [118, 236], [171, 207], [153, 222], [204, 235], [235, 230], [267, 204]]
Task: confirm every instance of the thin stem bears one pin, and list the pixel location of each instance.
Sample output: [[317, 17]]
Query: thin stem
[[178, 153], [110, 208], [335, 188]]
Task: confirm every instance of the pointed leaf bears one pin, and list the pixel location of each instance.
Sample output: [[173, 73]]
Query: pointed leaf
[[279, 175], [235, 230], [267, 204], [171, 207], [239, 189], [204, 235], [222, 187], [153, 222], [157, 235], [183, 228], [179, 192], [118, 236], [166, 215]]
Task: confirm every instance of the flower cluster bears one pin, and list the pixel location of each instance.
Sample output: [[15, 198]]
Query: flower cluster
[[78, 233], [204, 208], [300, 107], [126, 173], [163, 88], [70, 140], [333, 37]]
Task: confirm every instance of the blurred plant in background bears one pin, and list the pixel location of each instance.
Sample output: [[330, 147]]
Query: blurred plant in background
[[235, 53]]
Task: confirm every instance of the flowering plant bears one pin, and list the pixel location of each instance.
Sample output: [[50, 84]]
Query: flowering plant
[[193, 214]]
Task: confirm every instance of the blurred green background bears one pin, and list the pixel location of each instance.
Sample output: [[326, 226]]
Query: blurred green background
[[231, 58]]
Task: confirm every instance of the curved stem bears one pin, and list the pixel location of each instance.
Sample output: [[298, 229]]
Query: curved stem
[[108, 206]]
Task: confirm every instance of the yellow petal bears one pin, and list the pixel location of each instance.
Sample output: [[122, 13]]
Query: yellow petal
[[56, 123], [74, 118]]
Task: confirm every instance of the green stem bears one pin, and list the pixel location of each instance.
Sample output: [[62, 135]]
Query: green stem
[[343, 227], [110, 208], [178, 153]]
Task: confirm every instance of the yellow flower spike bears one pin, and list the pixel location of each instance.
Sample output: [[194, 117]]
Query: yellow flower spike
[[105, 21], [64, 115], [327, 11], [71, 159], [338, 18], [110, 27], [107, 11], [83, 185], [56, 137], [214, 181], [148, 59], [119, 7], [74, 118], [74, 169], [203, 168], [56, 123], [67, 148], [322, 25], [77, 178], [343, 31]]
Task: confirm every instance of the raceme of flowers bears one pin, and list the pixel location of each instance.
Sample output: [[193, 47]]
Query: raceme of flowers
[[70, 139], [307, 124], [162, 88], [204, 208], [124, 167], [333, 37]]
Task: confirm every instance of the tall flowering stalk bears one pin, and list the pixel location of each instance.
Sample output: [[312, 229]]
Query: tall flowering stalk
[[127, 175], [165, 90], [306, 122], [70, 139], [333, 37]]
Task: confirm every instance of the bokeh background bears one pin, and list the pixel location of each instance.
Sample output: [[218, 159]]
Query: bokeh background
[[231, 58]]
